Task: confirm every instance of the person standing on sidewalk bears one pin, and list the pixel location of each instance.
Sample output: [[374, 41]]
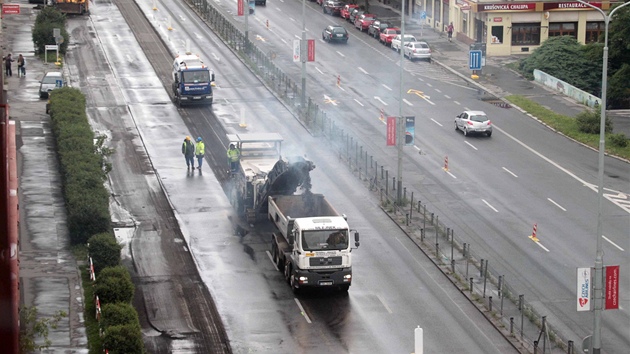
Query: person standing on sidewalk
[[7, 65], [21, 66], [450, 29], [188, 149], [200, 150]]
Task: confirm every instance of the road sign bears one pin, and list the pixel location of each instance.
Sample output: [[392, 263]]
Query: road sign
[[58, 83], [423, 15], [474, 60], [10, 9]]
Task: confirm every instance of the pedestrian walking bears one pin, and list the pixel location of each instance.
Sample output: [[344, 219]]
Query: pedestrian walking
[[7, 65], [233, 155], [188, 149], [200, 150], [21, 66], [450, 29]]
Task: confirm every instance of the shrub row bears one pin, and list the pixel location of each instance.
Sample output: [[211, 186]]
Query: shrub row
[[87, 203], [48, 19]]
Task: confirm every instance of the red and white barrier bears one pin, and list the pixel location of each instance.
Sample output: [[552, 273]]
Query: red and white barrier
[[446, 163], [533, 235]]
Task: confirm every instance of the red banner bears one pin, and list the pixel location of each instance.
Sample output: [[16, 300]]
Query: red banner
[[391, 131], [311, 50], [10, 9], [239, 6], [612, 288]]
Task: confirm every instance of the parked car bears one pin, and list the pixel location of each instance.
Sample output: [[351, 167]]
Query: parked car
[[333, 7], [354, 14], [49, 82], [396, 41], [388, 34], [345, 12], [473, 122], [335, 33], [260, 2], [364, 21], [376, 27], [417, 50]]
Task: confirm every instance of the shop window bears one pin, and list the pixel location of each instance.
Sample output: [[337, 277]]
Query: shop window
[[563, 29], [465, 23], [594, 31], [437, 14], [497, 34], [429, 8], [526, 33]]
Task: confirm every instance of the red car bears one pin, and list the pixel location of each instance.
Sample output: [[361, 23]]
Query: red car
[[364, 21], [388, 34], [345, 12]]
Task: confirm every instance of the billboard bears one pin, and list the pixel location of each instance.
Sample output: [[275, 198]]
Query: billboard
[[612, 288], [584, 289], [391, 131], [410, 128]]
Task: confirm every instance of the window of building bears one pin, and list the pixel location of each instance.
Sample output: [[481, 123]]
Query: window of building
[[465, 23], [437, 14], [526, 33], [497, 34], [563, 29], [594, 30]]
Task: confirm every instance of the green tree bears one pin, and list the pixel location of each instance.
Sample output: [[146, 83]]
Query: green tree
[[619, 59], [104, 250], [118, 314], [48, 19], [114, 285], [125, 339], [32, 328], [564, 58]]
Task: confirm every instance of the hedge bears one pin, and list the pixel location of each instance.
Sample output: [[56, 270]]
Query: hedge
[[125, 339], [119, 314], [104, 250]]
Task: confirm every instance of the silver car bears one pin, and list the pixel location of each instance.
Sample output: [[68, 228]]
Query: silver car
[[417, 50], [473, 122], [396, 41]]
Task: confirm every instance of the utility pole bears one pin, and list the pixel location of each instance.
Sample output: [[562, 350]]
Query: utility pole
[[401, 119], [303, 58]]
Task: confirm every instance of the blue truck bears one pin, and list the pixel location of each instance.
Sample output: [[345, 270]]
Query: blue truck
[[192, 81]]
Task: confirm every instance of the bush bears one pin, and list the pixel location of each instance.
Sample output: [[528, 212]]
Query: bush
[[48, 19], [125, 339], [618, 140], [113, 289], [117, 272], [589, 122], [118, 314], [104, 250]]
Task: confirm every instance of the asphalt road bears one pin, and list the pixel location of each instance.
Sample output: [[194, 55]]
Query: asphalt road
[[396, 289]]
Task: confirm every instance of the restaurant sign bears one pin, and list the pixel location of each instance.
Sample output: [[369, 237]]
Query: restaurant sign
[[526, 6]]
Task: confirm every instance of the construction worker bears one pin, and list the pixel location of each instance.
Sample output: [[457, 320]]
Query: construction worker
[[200, 149], [188, 149], [233, 155]]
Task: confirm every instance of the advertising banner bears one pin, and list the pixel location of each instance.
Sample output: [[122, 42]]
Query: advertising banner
[[410, 127], [584, 289], [296, 50], [612, 288], [239, 6], [11, 9], [391, 131], [311, 49]]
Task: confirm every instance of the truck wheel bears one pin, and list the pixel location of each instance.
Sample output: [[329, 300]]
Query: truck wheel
[[344, 288], [276, 258], [293, 283]]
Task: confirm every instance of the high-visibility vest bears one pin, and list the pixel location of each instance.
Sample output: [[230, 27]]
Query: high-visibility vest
[[233, 154], [200, 148]]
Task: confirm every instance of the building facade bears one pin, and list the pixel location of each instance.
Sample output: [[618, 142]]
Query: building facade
[[515, 27]]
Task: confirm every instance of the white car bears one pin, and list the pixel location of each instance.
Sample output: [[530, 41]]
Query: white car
[[473, 122], [396, 41], [51, 81], [417, 50]]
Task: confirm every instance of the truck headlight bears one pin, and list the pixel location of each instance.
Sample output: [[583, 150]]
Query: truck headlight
[[303, 280], [347, 278]]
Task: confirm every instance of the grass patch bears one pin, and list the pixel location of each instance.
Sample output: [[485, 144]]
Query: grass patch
[[95, 343], [566, 125]]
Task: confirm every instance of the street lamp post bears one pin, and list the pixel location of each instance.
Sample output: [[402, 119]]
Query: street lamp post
[[401, 120], [303, 58], [598, 284]]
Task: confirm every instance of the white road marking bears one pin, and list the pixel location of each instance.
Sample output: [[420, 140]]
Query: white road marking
[[271, 259], [447, 96], [216, 57], [384, 304], [380, 100], [541, 246], [302, 310], [342, 89], [363, 70], [417, 148], [316, 68], [429, 85], [490, 206], [338, 52], [450, 174], [185, 249], [357, 101], [284, 40], [612, 243], [407, 102], [387, 87], [436, 122], [457, 103], [438, 90], [556, 204], [510, 172], [471, 145], [468, 109], [421, 79]]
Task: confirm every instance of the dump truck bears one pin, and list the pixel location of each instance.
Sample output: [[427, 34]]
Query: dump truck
[[192, 80], [312, 246], [77, 7]]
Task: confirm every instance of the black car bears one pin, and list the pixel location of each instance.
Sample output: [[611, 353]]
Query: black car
[[376, 27], [355, 14], [333, 7], [334, 33]]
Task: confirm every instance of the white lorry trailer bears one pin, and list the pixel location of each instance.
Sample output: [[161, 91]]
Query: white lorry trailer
[[312, 244]]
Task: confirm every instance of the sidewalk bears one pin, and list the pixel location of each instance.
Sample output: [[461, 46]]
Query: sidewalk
[[496, 79], [49, 277]]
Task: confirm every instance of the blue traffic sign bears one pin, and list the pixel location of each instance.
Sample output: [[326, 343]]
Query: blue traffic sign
[[58, 83], [423, 15], [474, 60]]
